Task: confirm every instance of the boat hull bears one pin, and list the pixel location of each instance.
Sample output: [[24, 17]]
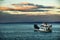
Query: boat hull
[[42, 30]]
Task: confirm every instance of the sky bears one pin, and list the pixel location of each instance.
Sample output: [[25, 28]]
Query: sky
[[40, 2], [18, 18]]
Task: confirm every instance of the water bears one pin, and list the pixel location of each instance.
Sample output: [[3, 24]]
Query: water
[[26, 32]]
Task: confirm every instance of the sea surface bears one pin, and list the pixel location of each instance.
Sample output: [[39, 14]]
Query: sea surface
[[20, 31]]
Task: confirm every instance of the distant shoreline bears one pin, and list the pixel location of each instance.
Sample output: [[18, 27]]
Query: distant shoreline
[[25, 22]]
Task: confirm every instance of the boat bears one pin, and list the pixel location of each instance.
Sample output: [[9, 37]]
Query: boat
[[47, 28]]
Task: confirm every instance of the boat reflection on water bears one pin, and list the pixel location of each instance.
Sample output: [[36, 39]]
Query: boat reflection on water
[[44, 27]]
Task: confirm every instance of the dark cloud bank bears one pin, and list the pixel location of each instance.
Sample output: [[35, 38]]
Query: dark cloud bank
[[5, 18]]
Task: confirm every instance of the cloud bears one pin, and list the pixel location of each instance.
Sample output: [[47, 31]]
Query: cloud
[[25, 6], [27, 18], [29, 6]]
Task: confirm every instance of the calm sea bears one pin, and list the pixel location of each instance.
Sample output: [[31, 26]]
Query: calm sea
[[26, 32]]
